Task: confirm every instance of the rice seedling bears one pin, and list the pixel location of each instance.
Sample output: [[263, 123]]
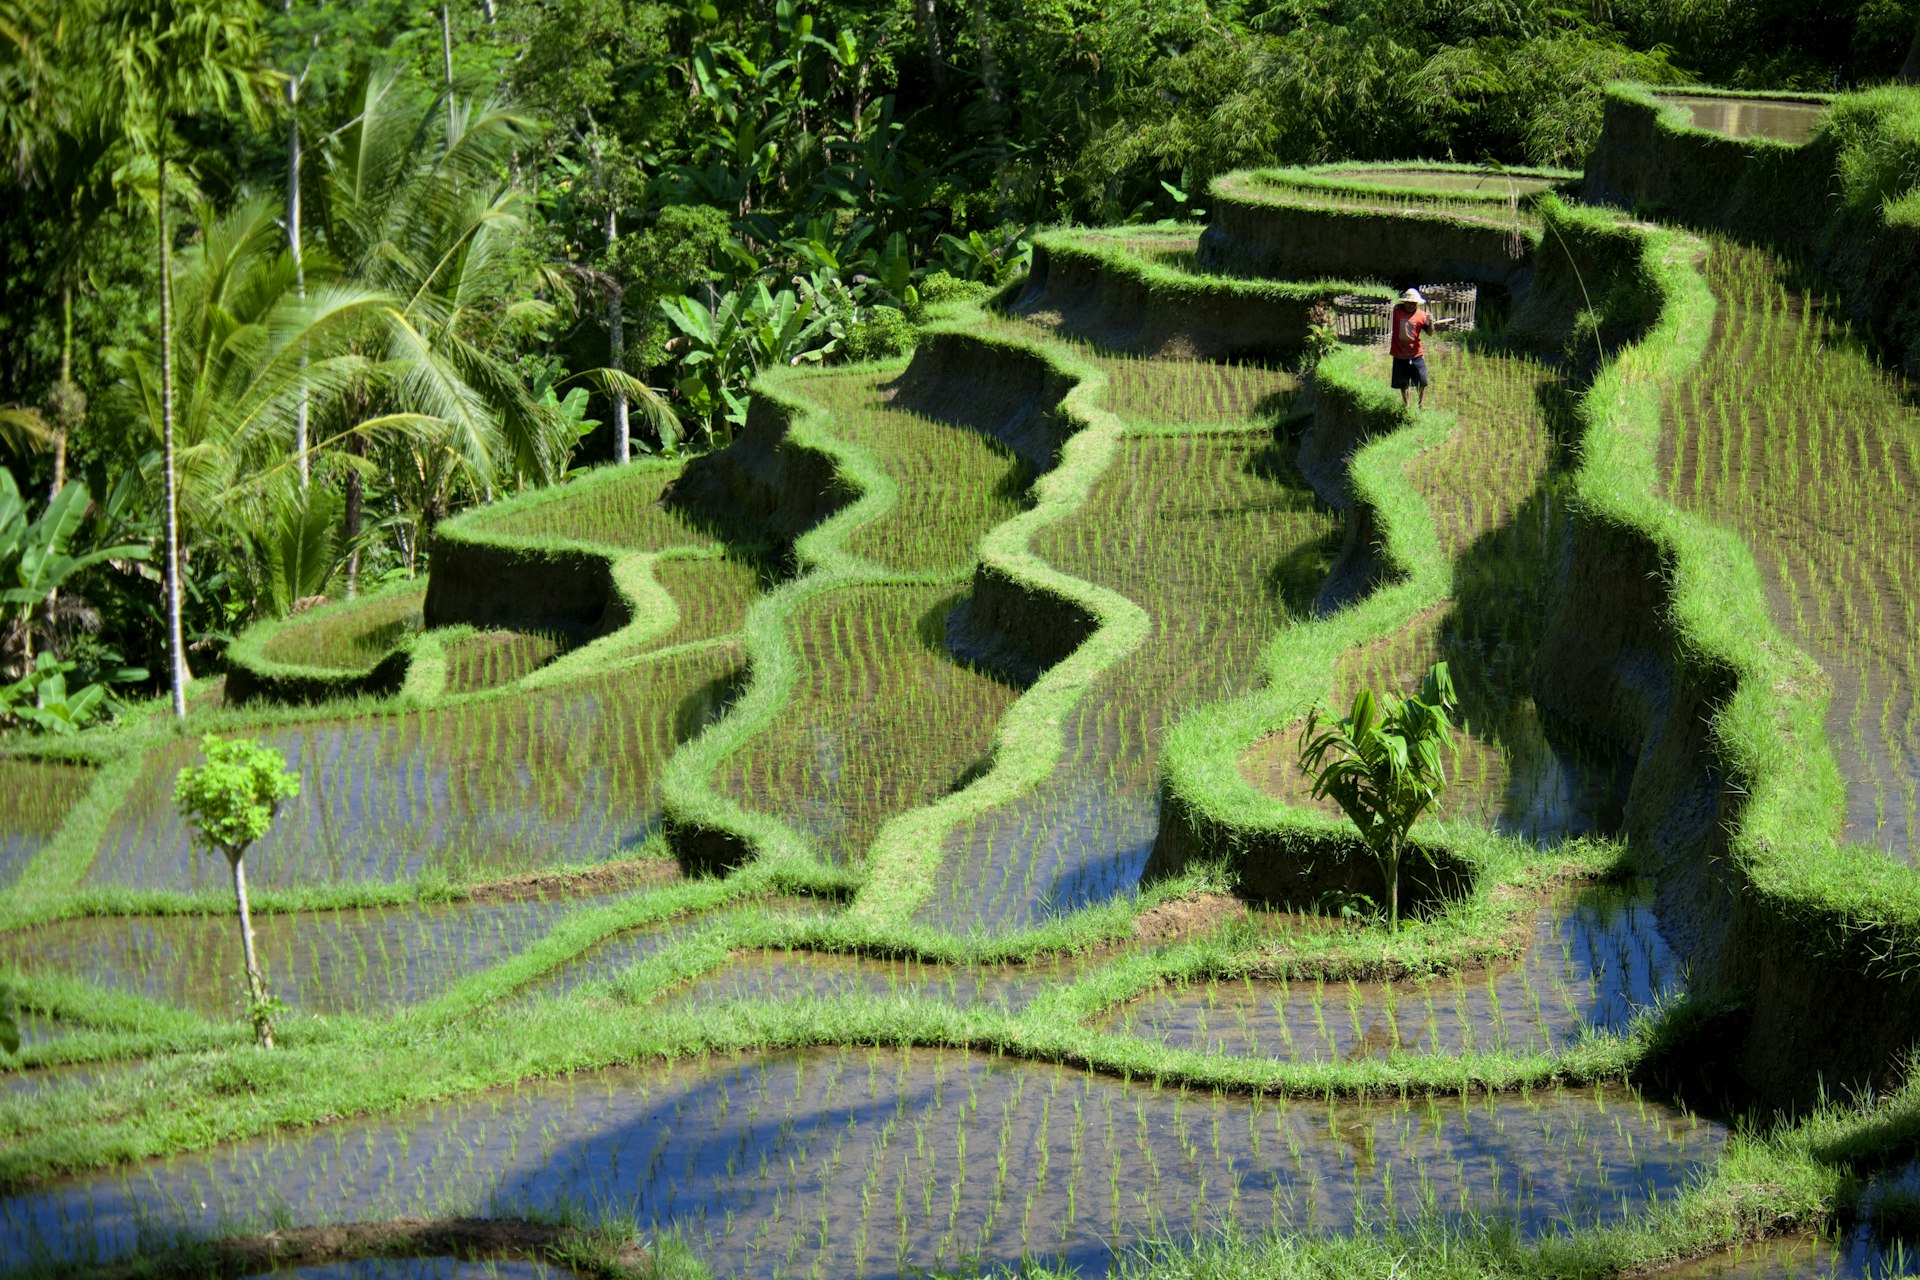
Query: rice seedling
[[1791, 434], [35, 796], [954, 484], [1200, 530], [784, 975], [1594, 961], [1467, 196], [350, 637], [357, 960], [712, 593], [883, 719], [630, 512], [499, 785], [789, 1164], [1170, 391], [1497, 509], [495, 658]]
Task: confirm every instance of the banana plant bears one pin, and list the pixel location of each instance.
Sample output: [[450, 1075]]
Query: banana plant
[[746, 331], [41, 698], [37, 557], [1382, 764]]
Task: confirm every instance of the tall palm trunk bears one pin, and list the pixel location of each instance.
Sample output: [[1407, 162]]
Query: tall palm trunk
[[616, 356], [176, 641], [256, 985], [293, 247]]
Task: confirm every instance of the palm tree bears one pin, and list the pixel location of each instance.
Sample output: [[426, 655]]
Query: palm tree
[[413, 201], [251, 348], [1384, 770], [164, 60]]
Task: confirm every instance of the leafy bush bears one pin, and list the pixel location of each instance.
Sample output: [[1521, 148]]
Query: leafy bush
[[879, 334]]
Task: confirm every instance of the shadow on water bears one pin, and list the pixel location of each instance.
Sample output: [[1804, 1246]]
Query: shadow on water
[[1557, 782], [883, 1162]]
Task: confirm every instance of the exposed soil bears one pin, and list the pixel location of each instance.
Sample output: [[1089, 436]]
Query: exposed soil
[[1195, 913], [607, 877], [470, 1238]]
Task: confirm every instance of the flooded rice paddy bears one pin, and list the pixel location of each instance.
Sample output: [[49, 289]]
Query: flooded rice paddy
[[1592, 963], [352, 961], [504, 785], [1782, 120], [876, 1162], [35, 796], [1792, 435]]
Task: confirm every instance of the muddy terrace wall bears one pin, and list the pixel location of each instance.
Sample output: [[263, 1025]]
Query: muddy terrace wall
[[1015, 396], [498, 585], [1651, 158], [1122, 304], [1250, 235]]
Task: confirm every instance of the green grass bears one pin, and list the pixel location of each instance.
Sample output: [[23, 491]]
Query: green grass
[[350, 635]]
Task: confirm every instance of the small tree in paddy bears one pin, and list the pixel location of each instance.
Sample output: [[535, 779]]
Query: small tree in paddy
[[1383, 767], [229, 803]]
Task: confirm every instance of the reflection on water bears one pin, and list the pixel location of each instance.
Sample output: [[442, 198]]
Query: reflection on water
[[781, 975], [1793, 122], [878, 1161]]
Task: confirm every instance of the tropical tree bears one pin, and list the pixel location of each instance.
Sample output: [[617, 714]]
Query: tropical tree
[[257, 339], [229, 803], [1382, 764], [415, 200], [166, 60]]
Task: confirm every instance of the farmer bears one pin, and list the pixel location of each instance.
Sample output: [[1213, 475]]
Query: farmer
[[1410, 321]]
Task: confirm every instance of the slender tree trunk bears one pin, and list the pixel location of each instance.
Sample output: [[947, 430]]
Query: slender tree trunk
[[1910, 69], [357, 446], [1393, 887], [176, 641], [299, 265], [446, 57], [616, 356], [256, 985], [928, 21], [70, 392]]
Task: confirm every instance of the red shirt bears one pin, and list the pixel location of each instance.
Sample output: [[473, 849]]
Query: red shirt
[[1409, 322]]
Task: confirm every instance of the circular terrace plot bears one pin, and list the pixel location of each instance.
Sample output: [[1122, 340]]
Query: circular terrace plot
[[1453, 181], [1784, 120]]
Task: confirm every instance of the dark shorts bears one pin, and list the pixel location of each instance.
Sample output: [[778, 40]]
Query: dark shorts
[[1410, 373]]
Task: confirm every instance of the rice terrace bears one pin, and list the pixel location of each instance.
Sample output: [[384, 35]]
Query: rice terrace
[[602, 700]]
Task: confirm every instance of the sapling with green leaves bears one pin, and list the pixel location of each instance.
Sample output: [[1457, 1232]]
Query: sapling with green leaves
[[1383, 764], [229, 804]]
